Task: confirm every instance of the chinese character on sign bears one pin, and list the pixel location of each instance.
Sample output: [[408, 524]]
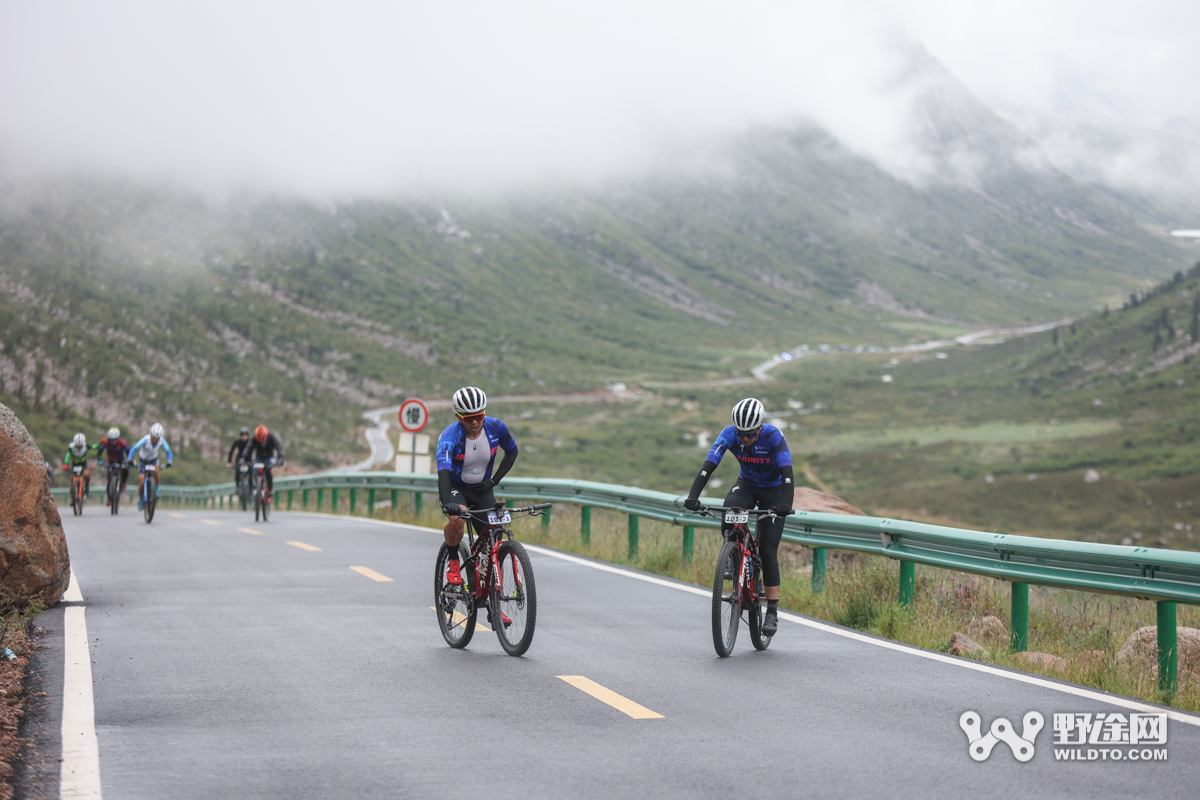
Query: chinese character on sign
[[1072, 728], [1110, 728], [1147, 728], [414, 415]]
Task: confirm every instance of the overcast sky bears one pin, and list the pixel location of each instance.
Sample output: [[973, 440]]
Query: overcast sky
[[352, 97]]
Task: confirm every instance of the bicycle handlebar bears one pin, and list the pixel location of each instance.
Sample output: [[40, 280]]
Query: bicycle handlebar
[[465, 513], [707, 511]]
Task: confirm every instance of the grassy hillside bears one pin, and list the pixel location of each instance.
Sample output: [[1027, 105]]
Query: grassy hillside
[[122, 303]]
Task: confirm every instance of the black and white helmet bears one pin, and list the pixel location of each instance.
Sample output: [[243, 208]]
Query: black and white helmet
[[469, 400], [748, 414]]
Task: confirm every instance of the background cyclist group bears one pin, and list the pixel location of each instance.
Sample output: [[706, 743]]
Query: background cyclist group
[[117, 454], [466, 454]]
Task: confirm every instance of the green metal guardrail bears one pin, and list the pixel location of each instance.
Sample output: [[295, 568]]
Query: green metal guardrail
[[1166, 577]]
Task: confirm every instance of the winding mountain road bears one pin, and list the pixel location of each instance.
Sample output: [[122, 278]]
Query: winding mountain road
[[300, 659]]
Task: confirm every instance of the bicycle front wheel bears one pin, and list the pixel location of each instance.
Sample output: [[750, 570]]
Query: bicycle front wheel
[[454, 604], [514, 605], [726, 604], [151, 498], [77, 497]]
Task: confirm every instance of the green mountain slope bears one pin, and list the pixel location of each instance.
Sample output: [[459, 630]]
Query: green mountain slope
[[127, 303]]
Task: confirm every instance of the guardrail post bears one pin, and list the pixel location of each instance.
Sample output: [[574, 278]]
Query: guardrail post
[[353, 498], [304, 499], [908, 582], [290, 493], [1020, 618], [1168, 649], [371, 502], [334, 493], [818, 573], [689, 536], [633, 536], [320, 498], [509, 503], [418, 503], [585, 524], [546, 521], [395, 500], [221, 502]]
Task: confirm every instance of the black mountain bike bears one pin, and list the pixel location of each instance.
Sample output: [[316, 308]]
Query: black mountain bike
[[114, 487], [245, 484], [150, 491], [496, 574], [738, 582], [262, 499]]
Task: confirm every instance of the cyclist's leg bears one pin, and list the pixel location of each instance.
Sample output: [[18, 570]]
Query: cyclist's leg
[[741, 495], [268, 465], [770, 532], [87, 479], [455, 528], [124, 475]]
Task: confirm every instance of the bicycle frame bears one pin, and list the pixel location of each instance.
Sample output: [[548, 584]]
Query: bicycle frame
[[749, 562], [489, 578]]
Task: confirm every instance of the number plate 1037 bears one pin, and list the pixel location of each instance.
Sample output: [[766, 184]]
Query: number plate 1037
[[736, 519], [503, 518]]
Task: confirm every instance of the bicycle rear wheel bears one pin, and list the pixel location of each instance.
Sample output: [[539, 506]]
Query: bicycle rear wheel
[[514, 606], [726, 605], [757, 613], [455, 606]]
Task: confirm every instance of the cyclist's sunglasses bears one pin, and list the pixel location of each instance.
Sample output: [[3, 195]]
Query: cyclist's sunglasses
[[471, 417], [747, 436]]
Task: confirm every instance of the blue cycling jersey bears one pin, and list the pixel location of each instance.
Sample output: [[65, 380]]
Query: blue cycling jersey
[[451, 444], [760, 461]]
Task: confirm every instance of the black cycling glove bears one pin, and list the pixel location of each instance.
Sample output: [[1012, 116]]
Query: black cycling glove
[[692, 504]]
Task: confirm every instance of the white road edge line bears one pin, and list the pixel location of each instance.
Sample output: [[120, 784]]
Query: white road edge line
[[1033, 680], [79, 776]]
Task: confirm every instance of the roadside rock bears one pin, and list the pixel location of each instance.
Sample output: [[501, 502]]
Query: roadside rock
[[963, 645], [807, 499], [1090, 660], [1043, 661], [988, 627], [34, 565], [1140, 651]]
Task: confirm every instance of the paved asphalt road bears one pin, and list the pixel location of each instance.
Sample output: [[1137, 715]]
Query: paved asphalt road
[[233, 665]]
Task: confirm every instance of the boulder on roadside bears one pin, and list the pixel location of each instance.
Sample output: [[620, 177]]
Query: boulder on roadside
[[1140, 650], [963, 645], [807, 499], [34, 565], [986, 627], [1042, 661]]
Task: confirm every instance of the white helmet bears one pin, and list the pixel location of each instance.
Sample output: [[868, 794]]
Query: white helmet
[[156, 431], [80, 440], [114, 433], [748, 414], [469, 400]]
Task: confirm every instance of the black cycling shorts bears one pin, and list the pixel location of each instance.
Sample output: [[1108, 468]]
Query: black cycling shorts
[[748, 496], [473, 499]]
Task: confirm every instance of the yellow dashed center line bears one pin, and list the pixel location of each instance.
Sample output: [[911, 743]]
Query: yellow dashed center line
[[372, 574], [251, 530], [622, 704], [304, 546], [210, 522], [459, 619], [176, 516]]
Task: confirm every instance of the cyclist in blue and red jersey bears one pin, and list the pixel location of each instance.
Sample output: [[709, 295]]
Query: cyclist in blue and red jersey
[[765, 481], [115, 451], [466, 454]]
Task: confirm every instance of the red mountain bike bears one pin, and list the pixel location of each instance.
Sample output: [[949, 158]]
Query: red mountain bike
[[496, 574], [738, 583]]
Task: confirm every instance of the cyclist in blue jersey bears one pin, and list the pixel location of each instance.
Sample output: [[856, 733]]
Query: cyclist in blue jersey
[[147, 449], [466, 452], [765, 481]]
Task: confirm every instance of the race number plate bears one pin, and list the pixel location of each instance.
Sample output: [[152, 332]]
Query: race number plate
[[734, 518], [501, 518], [151, 467], [78, 470]]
